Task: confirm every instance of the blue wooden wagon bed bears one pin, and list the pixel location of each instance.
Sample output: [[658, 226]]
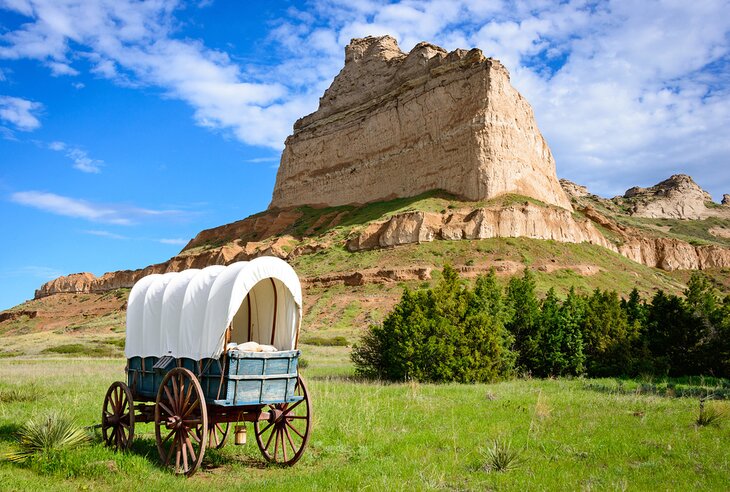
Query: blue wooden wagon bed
[[210, 348]]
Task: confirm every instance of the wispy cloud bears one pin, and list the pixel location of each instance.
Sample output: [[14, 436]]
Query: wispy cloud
[[80, 157], [176, 242], [106, 234], [83, 162], [259, 160], [40, 272], [119, 237], [83, 209], [21, 113]]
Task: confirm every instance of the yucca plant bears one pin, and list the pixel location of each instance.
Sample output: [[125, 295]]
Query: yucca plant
[[709, 415], [500, 456], [51, 432]]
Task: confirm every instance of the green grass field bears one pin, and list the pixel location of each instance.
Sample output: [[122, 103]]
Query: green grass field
[[569, 435]]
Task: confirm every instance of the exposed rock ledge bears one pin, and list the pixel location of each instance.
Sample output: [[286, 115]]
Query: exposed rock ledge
[[524, 220]]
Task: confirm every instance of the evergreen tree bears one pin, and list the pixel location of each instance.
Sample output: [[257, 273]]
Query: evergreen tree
[[608, 336], [525, 320]]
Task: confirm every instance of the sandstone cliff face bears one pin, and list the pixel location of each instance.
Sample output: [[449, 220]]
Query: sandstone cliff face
[[678, 197], [396, 125], [525, 220]]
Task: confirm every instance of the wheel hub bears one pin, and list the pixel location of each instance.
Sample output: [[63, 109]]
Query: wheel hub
[[173, 422]]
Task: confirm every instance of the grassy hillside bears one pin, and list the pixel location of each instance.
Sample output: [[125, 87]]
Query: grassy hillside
[[93, 324]]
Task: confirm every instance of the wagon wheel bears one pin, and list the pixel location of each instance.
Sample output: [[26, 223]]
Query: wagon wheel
[[117, 417], [283, 438], [180, 409], [217, 434]]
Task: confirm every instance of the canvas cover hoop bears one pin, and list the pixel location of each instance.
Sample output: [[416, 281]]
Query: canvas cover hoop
[[188, 313]]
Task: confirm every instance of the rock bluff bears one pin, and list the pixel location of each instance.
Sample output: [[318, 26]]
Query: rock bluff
[[395, 125]]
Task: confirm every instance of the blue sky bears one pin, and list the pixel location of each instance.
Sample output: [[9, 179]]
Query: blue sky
[[126, 127]]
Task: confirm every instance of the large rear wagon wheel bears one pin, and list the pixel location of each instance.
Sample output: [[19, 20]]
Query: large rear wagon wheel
[[283, 438], [179, 410], [117, 417]]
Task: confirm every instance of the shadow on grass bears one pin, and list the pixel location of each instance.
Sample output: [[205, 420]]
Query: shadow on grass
[[9, 432], [689, 387], [146, 447]]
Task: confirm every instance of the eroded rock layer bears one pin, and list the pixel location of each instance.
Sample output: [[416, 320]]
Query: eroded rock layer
[[397, 125]]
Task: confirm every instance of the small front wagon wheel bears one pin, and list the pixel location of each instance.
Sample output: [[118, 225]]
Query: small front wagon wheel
[[217, 434], [179, 410], [283, 438], [117, 417]]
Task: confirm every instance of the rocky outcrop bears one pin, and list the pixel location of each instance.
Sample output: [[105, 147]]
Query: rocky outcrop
[[254, 228], [523, 220], [678, 197], [574, 190], [725, 199], [20, 313], [659, 252], [395, 125]]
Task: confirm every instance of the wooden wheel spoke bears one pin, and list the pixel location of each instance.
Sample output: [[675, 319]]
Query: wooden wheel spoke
[[192, 407], [283, 444], [190, 448], [265, 429], [184, 454], [213, 437], [194, 434], [175, 401], [290, 409], [270, 436], [166, 409], [294, 429], [170, 399], [276, 442], [187, 396], [176, 445]]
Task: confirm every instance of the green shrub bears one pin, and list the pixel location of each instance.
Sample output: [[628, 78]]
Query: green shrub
[[448, 333]]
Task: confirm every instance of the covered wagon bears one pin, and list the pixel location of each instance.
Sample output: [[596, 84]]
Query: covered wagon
[[209, 348]]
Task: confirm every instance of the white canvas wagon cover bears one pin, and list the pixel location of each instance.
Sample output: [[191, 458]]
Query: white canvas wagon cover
[[186, 314]]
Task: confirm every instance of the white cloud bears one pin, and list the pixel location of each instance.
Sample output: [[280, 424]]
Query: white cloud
[[83, 209], [80, 157], [19, 112], [133, 43], [83, 162]]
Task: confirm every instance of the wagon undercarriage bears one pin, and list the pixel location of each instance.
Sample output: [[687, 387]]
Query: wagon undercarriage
[[180, 414]]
